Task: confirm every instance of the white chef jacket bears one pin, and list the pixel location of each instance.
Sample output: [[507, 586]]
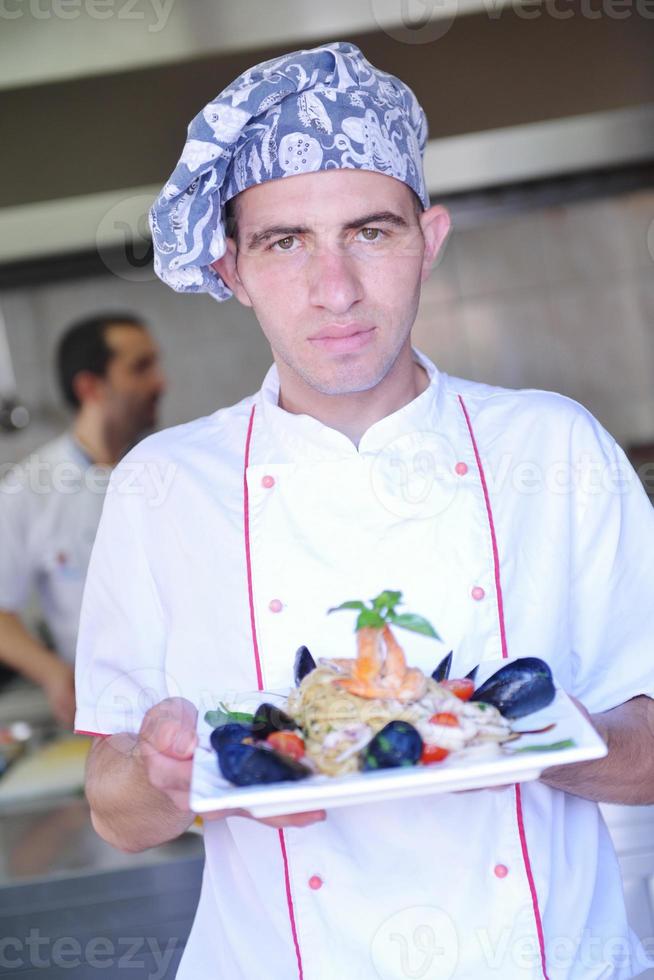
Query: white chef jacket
[[513, 522], [50, 506]]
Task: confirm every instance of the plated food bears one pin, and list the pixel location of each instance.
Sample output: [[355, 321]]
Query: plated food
[[373, 711]]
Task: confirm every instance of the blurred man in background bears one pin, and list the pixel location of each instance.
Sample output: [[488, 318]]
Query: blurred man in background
[[109, 371]]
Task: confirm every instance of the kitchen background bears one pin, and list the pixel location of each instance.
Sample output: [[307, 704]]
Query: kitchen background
[[541, 123]]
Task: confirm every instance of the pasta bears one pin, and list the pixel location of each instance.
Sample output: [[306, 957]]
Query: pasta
[[337, 724]]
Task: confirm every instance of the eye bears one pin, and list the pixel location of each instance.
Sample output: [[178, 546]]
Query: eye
[[285, 244], [371, 234]]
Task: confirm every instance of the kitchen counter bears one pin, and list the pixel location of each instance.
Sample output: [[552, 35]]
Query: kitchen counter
[[72, 906], [55, 839], [75, 907]]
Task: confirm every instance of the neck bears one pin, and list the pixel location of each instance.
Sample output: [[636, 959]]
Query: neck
[[91, 431], [354, 413]]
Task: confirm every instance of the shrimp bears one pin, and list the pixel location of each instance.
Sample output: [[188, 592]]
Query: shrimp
[[373, 675]]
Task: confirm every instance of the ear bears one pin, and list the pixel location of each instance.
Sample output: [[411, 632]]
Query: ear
[[88, 387], [436, 226], [228, 272]]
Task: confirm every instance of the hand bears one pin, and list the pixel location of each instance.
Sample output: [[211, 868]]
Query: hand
[[586, 713], [166, 744], [59, 687]]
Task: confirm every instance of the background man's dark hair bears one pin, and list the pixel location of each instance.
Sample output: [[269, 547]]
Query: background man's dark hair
[[83, 347]]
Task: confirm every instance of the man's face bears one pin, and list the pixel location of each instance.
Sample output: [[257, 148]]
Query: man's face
[[134, 381], [332, 264]]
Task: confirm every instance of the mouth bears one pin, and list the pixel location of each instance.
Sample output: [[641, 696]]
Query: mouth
[[343, 339]]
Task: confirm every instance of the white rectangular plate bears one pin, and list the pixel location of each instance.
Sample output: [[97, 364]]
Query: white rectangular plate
[[470, 769]]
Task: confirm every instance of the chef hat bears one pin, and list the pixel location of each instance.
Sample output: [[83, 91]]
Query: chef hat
[[316, 109]]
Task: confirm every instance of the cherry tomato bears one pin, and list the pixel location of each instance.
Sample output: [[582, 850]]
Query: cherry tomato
[[433, 753], [288, 743], [462, 687], [445, 718]]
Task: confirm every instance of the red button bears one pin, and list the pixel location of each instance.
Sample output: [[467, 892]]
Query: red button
[[275, 605], [461, 469], [315, 882], [268, 482], [477, 593], [501, 871]]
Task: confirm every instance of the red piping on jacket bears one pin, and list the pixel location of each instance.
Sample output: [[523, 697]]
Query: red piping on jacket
[[489, 513], [257, 659], [500, 613], [248, 562]]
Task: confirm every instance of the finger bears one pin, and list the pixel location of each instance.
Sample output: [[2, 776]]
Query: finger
[[180, 800], [170, 728], [168, 774], [283, 820], [294, 819], [171, 709], [171, 739]]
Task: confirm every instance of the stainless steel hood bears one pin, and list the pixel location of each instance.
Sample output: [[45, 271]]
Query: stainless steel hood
[[513, 92]]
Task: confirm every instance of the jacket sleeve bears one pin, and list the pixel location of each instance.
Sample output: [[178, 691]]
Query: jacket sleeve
[[16, 571], [612, 585], [120, 660]]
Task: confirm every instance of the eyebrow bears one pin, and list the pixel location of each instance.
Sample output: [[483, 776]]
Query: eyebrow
[[282, 231]]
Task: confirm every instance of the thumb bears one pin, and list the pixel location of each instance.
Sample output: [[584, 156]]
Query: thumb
[[184, 743], [169, 728], [171, 738]]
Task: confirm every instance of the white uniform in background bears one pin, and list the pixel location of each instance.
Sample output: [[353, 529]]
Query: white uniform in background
[[50, 506], [514, 523]]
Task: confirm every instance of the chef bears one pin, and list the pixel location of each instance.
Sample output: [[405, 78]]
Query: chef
[[511, 519], [50, 503]]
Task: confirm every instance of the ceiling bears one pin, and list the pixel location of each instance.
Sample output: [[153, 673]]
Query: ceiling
[[97, 106]]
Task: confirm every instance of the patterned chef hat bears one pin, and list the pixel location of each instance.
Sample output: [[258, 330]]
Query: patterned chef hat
[[318, 109]]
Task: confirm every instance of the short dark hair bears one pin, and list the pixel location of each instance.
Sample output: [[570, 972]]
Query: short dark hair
[[231, 218], [83, 347]]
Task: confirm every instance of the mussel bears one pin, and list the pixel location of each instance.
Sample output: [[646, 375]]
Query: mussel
[[518, 688], [268, 719], [442, 672], [397, 744], [304, 664], [472, 673], [233, 731], [245, 765]]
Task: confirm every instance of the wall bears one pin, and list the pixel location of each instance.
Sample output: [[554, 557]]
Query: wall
[[559, 298]]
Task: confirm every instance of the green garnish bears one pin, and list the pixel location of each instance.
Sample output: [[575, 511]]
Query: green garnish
[[566, 743], [223, 716], [381, 611]]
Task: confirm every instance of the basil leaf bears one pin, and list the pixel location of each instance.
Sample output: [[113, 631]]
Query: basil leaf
[[386, 600], [416, 624], [223, 716], [368, 617], [216, 718], [352, 604]]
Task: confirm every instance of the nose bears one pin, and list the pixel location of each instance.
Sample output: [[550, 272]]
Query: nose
[[160, 382], [334, 283]]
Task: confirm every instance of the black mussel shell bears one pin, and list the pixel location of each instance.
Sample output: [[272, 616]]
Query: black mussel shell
[[397, 744], [442, 672], [304, 664], [473, 673], [517, 689], [233, 731], [268, 719], [246, 765]]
